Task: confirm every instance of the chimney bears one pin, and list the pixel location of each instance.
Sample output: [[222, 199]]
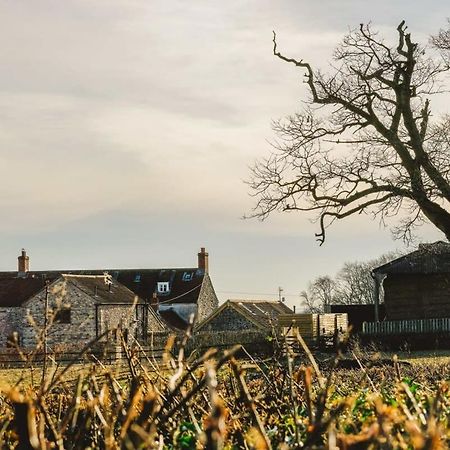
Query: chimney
[[23, 265], [203, 260], [154, 302]]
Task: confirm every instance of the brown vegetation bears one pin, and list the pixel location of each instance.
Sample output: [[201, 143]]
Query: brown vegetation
[[217, 400]]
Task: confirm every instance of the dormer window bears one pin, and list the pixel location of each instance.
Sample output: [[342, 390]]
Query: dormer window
[[137, 278], [163, 287]]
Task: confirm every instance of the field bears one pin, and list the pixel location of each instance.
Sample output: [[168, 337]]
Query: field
[[223, 400]]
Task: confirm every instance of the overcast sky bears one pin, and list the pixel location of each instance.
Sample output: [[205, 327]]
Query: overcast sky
[[127, 128]]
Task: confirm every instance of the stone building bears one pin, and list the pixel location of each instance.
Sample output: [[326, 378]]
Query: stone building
[[180, 294], [75, 309], [244, 315], [159, 300]]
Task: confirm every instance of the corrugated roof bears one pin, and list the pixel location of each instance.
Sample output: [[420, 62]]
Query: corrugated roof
[[428, 258], [261, 312]]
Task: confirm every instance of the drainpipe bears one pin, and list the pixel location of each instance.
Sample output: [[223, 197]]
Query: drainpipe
[[377, 278]]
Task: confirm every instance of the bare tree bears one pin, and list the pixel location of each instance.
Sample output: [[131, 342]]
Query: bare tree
[[365, 142], [320, 294], [442, 39], [354, 284]]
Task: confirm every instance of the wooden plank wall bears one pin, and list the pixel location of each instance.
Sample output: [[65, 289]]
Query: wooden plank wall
[[417, 296], [312, 327]]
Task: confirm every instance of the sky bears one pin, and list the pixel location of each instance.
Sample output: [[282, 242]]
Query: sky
[[127, 129]]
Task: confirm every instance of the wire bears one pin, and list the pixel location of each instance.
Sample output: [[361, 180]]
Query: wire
[[273, 294], [179, 296]]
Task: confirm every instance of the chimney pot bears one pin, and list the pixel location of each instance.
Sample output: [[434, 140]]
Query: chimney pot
[[23, 263], [154, 302], [203, 262]]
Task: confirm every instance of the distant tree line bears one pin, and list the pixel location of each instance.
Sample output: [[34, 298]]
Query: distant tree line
[[352, 285]]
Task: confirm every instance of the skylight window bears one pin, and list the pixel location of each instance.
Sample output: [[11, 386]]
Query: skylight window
[[187, 276], [137, 278]]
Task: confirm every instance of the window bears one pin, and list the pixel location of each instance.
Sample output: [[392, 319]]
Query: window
[[187, 276], [163, 287], [63, 315], [137, 278]]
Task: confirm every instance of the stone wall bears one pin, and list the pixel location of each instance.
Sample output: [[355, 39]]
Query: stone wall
[[254, 341], [207, 301], [129, 318], [228, 320], [10, 318], [155, 325], [82, 326]]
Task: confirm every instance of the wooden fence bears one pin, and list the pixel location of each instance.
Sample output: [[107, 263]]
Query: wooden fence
[[253, 341], [407, 327]]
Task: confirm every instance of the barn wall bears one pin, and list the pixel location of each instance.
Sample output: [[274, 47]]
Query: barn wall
[[228, 320], [10, 318], [75, 334], [154, 325], [408, 296], [126, 317]]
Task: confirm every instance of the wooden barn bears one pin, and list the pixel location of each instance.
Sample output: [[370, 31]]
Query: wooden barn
[[417, 285], [416, 296]]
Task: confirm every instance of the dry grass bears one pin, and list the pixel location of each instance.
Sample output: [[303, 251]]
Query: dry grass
[[219, 401]]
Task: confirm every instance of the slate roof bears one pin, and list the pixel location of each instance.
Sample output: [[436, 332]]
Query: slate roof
[[16, 291], [427, 259], [173, 319], [185, 283], [102, 291], [259, 312]]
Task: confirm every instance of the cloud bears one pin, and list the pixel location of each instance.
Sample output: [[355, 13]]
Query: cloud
[[127, 112]]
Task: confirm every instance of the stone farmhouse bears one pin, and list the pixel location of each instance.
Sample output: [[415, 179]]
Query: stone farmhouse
[[79, 305], [76, 309]]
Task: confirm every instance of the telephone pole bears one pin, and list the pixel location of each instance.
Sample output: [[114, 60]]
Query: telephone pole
[[44, 368]]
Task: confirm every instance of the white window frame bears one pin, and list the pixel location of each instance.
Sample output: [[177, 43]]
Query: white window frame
[[163, 287]]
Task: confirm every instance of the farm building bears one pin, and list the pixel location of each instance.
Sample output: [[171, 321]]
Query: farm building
[[244, 315], [178, 294], [358, 314], [75, 308], [416, 285]]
